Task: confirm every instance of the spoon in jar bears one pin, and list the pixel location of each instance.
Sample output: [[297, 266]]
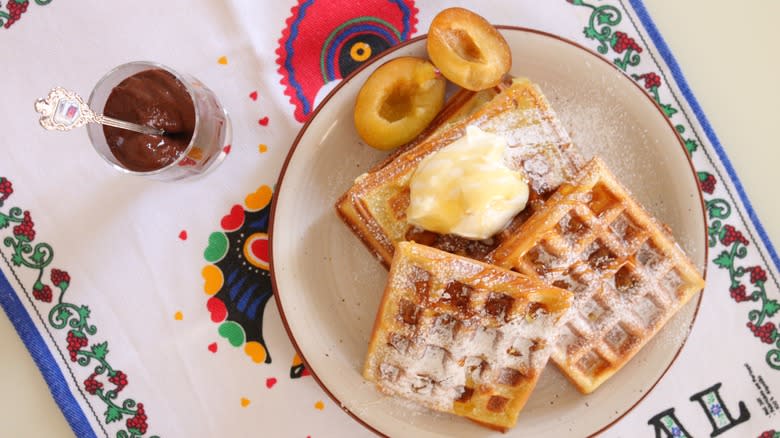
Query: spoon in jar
[[63, 110]]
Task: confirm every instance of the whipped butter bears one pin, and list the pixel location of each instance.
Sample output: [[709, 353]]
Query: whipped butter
[[466, 188]]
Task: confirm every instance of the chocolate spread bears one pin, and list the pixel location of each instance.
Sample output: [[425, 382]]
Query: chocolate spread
[[153, 98]]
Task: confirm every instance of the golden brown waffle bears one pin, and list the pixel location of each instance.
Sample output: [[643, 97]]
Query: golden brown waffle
[[627, 273], [461, 336], [375, 206]]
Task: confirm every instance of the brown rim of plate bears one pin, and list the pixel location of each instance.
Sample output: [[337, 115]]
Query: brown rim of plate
[[383, 56]]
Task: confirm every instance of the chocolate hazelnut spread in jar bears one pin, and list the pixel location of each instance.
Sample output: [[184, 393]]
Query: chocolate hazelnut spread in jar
[[196, 126]]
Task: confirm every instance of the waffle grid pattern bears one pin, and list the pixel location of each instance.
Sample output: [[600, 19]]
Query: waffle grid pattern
[[468, 343], [627, 274]]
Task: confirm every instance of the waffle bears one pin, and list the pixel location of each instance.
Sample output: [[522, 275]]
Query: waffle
[[461, 336], [375, 206], [627, 273]]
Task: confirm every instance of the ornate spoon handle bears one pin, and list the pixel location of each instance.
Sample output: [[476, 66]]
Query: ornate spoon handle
[[63, 110]]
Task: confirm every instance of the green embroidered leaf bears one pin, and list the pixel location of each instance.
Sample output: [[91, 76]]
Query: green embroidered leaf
[[22, 238], [100, 350], [38, 285], [668, 110], [17, 259], [63, 314], [133, 431], [3, 220], [37, 257], [84, 312], [691, 145], [771, 307], [604, 19], [591, 33], [702, 175], [718, 208], [576, 2], [113, 414], [680, 128], [724, 260]]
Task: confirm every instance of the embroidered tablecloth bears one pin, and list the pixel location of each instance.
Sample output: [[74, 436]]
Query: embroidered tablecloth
[[147, 306]]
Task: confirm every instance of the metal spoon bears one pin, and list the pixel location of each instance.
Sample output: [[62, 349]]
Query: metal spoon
[[63, 110]]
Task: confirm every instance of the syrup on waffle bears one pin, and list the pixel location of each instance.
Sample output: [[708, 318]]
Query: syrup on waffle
[[626, 272], [461, 336], [375, 206]]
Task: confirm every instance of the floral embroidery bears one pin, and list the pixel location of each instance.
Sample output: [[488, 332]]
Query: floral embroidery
[[105, 382], [14, 9]]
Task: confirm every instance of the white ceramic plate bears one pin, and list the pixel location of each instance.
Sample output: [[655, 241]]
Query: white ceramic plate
[[328, 286]]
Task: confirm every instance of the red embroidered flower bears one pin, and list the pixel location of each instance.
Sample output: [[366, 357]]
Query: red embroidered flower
[[708, 183], [738, 293], [138, 422], [621, 42], [6, 188], [732, 235], [58, 277], [26, 228], [76, 342], [91, 385], [43, 294], [766, 332], [119, 380], [757, 274], [651, 80], [767, 434], [15, 10]]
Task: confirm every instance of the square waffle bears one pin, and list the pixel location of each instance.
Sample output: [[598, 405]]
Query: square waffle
[[626, 272], [375, 206], [461, 336]]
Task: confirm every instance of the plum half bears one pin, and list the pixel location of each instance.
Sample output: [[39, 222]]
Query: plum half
[[398, 101], [467, 49]]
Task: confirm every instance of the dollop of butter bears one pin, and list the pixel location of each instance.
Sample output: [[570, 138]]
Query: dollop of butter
[[465, 188]]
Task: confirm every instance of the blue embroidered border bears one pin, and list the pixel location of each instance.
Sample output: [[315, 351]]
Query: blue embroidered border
[[44, 359]]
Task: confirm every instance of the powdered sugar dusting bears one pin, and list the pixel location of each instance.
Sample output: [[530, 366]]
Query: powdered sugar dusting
[[536, 141], [450, 328], [626, 286]]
